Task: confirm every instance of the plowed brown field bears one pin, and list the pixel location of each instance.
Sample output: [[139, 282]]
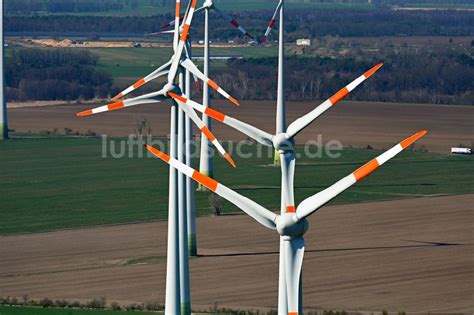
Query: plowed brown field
[[413, 255], [352, 123]]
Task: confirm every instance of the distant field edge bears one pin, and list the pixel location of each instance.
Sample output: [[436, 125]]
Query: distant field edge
[[98, 226]]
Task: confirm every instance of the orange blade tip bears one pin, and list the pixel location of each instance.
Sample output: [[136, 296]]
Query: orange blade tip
[[165, 157], [84, 113], [116, 97], [373, 70], [233, 100], [408, 141], [230, 160]]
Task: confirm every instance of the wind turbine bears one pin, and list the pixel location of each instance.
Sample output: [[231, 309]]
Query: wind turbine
[[3, 99], [291, 224], [177, 277], [206, 161]]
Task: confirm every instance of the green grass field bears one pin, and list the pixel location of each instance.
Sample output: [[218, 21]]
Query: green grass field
[[57, 183], [138, 62]]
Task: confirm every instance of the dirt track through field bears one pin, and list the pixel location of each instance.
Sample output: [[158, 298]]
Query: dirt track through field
[[352, 123], [413, 255]]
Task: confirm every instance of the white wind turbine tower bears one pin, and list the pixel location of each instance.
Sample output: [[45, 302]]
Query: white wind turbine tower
[[177, 276], [291, 224], [206, 160], [205, 164], [3, 98]]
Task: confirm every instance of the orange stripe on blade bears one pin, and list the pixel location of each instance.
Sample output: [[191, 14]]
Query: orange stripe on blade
[[165, 157], [339, 96], [292, 313], [366, 169], [116, 97], [213, 84], [290, 209], [178, 97], [116, 105], [208, 133], [84, 113], [214, 114], [408, 141], [230, 160], [209, 183], [178, 10], [373, 70], [139, 83], [233, 100], [184, 36]]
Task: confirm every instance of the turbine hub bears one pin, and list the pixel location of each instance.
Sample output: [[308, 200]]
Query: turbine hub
[[170, 87], [281, 142], [289, 225]]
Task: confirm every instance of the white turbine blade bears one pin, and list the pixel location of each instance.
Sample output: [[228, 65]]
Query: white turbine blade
[[294, 253], [187, 49], [182, 41], [181, 18], [253, 132], [272, 22], [313, 203], [160, 33], [259, 213], [189, 65], [177, 18], [288, 172], [200, 124], [118, 105], [302, 122], [155, 74], [232, 21]]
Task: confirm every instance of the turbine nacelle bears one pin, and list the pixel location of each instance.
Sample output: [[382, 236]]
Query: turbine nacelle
[[288, 225], [283, 143], [208, 4], [170, 87]]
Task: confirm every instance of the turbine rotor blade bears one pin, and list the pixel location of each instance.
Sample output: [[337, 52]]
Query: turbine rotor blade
[[189, 65], [313, 203], [271, 23], [294, 253], [154, 97], [232, 21], [177, 17], [253, 132], [187, 49], [299, 124], [155, 74], [182, 41], [200, 124], [288, 172], [259, 213]]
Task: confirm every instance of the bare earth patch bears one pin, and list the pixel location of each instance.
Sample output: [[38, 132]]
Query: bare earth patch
[[352, 123], [411, 255]]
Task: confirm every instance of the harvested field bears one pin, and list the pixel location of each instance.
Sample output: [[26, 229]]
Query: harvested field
[[353, 123], [412, 255]]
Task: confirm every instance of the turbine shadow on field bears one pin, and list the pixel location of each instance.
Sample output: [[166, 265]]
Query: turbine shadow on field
[[423, 245]]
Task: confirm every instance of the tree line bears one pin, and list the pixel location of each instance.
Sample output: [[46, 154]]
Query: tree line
[[410, 78], [300, 23], [55, 74]]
